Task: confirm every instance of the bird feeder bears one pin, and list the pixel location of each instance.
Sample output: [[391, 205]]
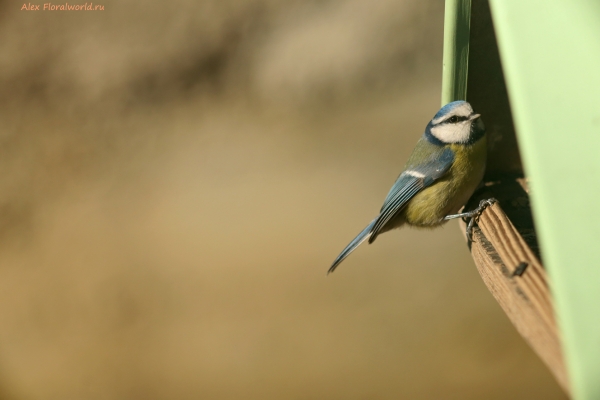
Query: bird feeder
[[532, 70]]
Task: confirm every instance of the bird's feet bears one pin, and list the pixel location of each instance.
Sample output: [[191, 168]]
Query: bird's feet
[[472, 216]]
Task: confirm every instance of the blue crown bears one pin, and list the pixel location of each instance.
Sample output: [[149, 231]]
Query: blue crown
[[449, 107]]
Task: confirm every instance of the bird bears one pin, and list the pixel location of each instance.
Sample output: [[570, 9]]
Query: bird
[[442, 173]]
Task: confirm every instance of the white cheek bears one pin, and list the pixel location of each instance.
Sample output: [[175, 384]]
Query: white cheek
[[452, 133]]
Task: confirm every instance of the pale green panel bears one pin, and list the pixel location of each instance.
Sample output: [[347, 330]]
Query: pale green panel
[[457, 19], [550, 54]]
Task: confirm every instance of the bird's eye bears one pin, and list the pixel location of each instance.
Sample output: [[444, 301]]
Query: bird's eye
[[453, 119]]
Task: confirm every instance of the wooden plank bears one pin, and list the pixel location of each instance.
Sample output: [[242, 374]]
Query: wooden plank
[[517, 280]]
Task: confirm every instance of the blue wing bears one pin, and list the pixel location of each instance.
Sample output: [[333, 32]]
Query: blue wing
[[410, 182]]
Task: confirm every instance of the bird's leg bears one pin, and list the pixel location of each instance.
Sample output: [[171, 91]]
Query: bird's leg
[[472, 215]]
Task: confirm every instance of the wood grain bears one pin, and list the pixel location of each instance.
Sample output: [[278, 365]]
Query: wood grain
[[498, 249]]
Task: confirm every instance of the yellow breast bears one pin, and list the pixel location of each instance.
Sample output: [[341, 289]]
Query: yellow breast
[[448, 194]]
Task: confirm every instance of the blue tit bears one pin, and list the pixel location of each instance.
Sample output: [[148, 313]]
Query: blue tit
[[440, 176]]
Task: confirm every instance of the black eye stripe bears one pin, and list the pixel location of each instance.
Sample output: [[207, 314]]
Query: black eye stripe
[[454, 119]]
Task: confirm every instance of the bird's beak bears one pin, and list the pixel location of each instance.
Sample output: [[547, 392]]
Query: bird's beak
[[474, 117]]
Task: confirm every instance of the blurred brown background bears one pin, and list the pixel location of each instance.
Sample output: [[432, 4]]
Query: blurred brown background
[[176, 178]]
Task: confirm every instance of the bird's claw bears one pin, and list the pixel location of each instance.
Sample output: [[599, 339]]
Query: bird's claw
[[474, 215]]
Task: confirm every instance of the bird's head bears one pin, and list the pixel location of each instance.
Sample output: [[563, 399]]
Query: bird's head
[[456, 122]]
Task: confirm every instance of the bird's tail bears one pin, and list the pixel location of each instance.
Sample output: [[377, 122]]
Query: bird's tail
[[361, 237]]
